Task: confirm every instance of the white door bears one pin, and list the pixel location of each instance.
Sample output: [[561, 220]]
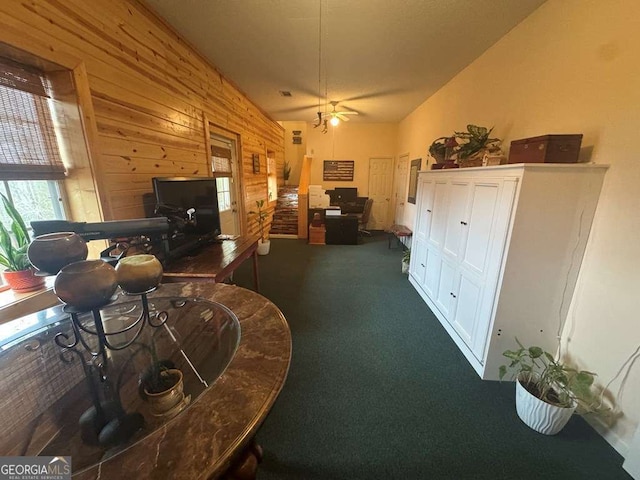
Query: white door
[[632, 457], [456, 218], [224, 164], [438, 214], [380, 185], [401, 188]]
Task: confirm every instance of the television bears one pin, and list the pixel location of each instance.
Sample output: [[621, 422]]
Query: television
[[193, 198]]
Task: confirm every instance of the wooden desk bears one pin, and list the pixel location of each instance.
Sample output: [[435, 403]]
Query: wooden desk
[[215, 262]]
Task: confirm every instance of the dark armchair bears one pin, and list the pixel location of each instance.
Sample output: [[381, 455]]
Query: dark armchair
[[363, 218]]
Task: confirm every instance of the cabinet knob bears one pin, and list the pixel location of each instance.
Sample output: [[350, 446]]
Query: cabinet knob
[[422, 264], [463, 223], [428, 210], [452, 294]]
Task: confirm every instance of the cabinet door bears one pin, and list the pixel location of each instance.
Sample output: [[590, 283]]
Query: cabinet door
[[479, 223], [445, 297], [437, 227], [468, 293], [456, 218], [417, 266], [425, 207], [433, 263]]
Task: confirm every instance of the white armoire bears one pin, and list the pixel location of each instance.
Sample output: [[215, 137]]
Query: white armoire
[[496, 252]]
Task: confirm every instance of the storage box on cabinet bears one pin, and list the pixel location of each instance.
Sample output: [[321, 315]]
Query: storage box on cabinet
[[546, 149], [494, 249]]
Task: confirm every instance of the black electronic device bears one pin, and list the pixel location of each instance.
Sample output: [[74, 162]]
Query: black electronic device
[[195, 199], [344, 195]]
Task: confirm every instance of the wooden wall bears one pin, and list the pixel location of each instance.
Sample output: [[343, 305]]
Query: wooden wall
[[150, 93]]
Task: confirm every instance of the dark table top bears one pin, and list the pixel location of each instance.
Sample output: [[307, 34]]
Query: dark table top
[[45, 393]]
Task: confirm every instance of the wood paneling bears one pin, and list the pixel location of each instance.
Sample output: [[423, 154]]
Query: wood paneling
[[149, 92]]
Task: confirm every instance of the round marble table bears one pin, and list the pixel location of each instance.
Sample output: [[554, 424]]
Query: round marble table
[[217, 428]]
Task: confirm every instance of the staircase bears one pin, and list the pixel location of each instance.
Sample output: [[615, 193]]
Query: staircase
[[285, 215]]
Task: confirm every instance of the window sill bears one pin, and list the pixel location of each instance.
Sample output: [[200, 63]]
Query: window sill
[[15, 305]]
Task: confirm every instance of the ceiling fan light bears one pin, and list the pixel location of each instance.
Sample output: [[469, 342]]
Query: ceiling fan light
[[335, 121]]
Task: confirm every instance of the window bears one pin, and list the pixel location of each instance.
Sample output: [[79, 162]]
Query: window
[[34, 199], [223, 185], [30, 161], [272, 177]]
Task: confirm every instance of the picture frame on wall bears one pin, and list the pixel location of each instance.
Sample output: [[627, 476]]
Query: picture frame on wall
[[338, 170], [256, 163], [413, 179]]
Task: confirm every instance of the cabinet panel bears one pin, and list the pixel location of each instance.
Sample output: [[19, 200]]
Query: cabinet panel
[[425, 207], [439, 214], [480, 224], [445, 296], [433, 263], [418, 260], [456, 218], [467, 307]]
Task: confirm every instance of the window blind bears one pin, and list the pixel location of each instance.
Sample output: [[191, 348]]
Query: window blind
[[221, 161], [28, 145]]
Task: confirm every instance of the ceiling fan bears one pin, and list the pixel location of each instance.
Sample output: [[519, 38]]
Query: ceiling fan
[[340, 115], [332, 117]]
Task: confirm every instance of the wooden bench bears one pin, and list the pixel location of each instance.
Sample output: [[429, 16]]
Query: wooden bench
[[397, 231]]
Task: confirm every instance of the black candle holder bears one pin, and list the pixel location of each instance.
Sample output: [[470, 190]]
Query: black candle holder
[[77, 339]]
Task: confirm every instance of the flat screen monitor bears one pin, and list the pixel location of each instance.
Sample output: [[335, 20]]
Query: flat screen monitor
[[198, 193], [345, 194]]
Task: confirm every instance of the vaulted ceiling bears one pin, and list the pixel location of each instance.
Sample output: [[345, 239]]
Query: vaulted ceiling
[[380, 58]]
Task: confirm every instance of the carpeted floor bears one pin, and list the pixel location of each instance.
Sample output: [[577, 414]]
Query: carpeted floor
[[378, 390]]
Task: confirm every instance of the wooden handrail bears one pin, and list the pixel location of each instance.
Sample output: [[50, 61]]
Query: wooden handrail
[[303, 197]]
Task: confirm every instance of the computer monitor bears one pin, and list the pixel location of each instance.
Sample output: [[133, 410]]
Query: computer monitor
[[197, 193], [345, 194]]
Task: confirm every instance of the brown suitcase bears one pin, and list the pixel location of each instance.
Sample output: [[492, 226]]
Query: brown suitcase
[[546, 149]]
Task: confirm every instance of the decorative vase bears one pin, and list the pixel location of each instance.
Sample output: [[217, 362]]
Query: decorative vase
[[86, 285], [263, 247], [52, 251], [138, 273], [163, 403], [539, 415], [23, 281]]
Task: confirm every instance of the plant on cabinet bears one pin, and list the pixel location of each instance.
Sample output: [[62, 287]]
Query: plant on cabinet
[[14, 243], [286, 172], [264, 244], [548, 391]]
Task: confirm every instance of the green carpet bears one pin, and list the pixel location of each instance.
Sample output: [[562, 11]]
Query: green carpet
[[378, 390]]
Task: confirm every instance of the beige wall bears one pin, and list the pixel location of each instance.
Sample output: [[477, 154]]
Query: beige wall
[[347, 141], [571, 67]]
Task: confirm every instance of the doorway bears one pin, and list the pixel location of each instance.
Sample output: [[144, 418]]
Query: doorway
[[380, 184], [401, 188], [224, 164]]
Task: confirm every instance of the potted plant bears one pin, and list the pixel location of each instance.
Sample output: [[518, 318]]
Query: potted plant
[[406, 259], [473, 144], [19, 274], [442, 148], [286, 172], [264, 244], [548, 391]]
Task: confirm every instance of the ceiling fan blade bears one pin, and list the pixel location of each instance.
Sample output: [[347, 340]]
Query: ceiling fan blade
[[347, 113], [340, 116]]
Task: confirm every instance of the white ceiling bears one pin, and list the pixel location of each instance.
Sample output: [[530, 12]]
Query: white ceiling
[[381, 58]]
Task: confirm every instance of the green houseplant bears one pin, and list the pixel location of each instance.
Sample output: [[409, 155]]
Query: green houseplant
[[475, 142], [557, 389], [14, 242], [406, 259], [264, 244]]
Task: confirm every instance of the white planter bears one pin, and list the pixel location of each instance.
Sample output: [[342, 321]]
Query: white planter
[[538, 415], [405, 267], [264, 247]]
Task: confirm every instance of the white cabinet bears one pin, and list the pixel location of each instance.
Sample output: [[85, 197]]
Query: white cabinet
[[497, 251]]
